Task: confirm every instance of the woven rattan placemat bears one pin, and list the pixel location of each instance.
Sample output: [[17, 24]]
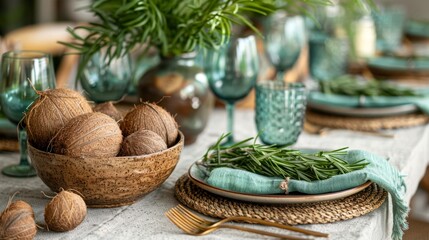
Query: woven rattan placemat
[[365, 124], [213, 205], [9, 144]]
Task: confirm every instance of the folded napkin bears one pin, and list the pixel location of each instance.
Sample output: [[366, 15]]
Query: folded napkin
[[378, 171], [422, 102]]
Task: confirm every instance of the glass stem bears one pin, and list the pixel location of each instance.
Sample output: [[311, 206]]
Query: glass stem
[[230, 121], [23, 147], [280, 76]]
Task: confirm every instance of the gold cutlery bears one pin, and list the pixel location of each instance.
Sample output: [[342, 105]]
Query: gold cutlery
[[195, 225]]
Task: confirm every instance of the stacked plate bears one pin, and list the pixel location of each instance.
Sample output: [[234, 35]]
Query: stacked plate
[[399, 67], [197, 176], [364, 111]]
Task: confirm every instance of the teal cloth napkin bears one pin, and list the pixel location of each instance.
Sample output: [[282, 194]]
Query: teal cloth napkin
[[378, 171], [379, 101]]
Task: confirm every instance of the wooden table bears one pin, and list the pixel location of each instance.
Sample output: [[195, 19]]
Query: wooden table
[[408, 151]]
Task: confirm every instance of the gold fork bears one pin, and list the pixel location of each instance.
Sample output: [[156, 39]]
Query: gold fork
[[195, 229], [207, 223]]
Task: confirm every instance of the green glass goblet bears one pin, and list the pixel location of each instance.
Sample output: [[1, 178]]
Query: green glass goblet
[[232, 71], [284, 38], [106, 79], [22, 73]]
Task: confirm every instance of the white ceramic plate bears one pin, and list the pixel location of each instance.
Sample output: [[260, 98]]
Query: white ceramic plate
[[365, 112], [197, 176]]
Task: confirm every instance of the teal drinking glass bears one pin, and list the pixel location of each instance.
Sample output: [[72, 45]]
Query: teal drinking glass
[[284, 38], [232, 71], [389, 27], [22, 73], [328, 56], [280, 110], [105, 80]]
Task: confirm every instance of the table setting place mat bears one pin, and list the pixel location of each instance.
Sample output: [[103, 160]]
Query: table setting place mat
[[216, 206], [8, 136], [352, 108], [380, 102], [9, 144], [365, 124], [381, 176]]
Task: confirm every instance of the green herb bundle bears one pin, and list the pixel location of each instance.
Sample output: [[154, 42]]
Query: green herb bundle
[[271, 160], [350, 86]]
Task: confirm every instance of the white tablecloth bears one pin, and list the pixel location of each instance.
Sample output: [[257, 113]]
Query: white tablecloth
[[408, 151]]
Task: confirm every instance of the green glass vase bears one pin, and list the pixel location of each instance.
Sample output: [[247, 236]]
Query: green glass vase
[[180, 86]]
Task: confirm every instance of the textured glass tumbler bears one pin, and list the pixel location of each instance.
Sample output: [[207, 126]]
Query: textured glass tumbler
[[280, 110], [328, 56], [389, 25]]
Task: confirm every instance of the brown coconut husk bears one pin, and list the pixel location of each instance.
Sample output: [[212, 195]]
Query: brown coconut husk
[[17, 221], [65, 211], [142, 142], [89, 135], [151, 117], [50, 112], [109, 109]]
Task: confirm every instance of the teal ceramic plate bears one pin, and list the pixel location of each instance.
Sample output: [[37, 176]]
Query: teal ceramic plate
[[417, 28], [364, 112], [7, 128], [398, 63], [398, 66], [196, 175]]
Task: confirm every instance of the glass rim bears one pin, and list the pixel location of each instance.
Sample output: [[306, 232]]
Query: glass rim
[[275, 85], [22, 54]]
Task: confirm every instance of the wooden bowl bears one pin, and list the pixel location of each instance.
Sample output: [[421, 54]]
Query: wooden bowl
[[106, 182]]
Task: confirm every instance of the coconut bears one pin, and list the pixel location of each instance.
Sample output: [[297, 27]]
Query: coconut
[[89, 135], [65, 211], [151, 117], [17, 221], [142, 142], [109, 109], [50, 112]]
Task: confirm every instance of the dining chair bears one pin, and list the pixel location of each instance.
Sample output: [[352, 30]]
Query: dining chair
[[44, 37]]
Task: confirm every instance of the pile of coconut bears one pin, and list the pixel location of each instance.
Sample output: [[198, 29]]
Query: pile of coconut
[[61, 121]]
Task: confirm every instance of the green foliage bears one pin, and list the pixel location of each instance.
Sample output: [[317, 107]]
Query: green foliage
[[272, 160], [350, 86], [174, 26]]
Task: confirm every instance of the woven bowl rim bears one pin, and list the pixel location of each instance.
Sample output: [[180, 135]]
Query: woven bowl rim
[[179, 143]]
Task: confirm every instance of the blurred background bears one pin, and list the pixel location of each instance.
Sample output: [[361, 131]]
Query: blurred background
[[19, 13], [41, 23]]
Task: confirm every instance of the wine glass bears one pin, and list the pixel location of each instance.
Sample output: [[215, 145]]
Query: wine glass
[[284, 39], [232, 71], [22, 73], [106, 80]]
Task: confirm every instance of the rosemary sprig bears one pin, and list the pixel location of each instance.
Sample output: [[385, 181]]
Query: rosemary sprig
[[271, 160], [350, 86]]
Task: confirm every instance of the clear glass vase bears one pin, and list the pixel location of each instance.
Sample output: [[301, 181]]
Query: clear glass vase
[[180, 86]]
